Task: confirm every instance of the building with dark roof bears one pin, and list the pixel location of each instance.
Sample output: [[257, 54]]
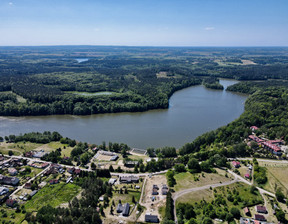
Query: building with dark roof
[[151, 218], [8, 180], [260, 217], [129, 179], [124, 209]]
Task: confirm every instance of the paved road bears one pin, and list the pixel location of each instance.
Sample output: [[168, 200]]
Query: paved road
[[264, 160]]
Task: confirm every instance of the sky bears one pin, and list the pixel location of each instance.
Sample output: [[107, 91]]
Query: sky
[[144, 22]]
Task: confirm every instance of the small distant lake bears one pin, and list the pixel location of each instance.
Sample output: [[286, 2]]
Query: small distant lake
[[192, 112], [79, 60]]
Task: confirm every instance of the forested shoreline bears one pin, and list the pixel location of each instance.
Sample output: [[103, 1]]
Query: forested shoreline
[[47, 80]]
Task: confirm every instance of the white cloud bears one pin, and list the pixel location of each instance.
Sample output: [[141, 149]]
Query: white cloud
[[210, 28], [96, 29], [10, 3]]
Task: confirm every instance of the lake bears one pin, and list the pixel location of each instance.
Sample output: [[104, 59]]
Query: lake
[[192, 112]]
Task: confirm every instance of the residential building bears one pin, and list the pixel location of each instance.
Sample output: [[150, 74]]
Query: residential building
[[236, 164], [131, 163], [8, 180], [12, 171], [151, 218], [11, 203], [261, 209], [129, 179], [3, 190], [260, 217], [124, 209], [54, 181], [247, 211]]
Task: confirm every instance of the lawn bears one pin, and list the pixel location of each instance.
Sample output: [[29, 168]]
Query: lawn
[[64, 152], [53, 195], [188, 180]]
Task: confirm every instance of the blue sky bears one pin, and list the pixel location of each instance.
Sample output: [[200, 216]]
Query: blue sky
[[144, 22]]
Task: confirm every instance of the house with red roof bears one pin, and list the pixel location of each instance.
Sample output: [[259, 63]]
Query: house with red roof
[[54, 181], [247, 211], [260, 217], [247, 175], [236, 164], [11, 203], [261, 209], [254, 128]]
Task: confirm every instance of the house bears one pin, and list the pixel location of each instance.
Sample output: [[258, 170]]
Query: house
[[44, 165], [33, 193], [255, 138], [12, 171], [260, 217], [129, 179], [247, 175], [68, 180], [126, 209], [40, 154], [28, 185], [3, 190], [261, 209], [151, 218], [131, 164], [247, 211], [164, 191], [154, 191], [112, 181], [54, 181], [77, 171], [11, 203], [254, 128], [8, 180], [114, 158], [119, 208], [29, 154], [71, 170], [155, 187], [236, 164]]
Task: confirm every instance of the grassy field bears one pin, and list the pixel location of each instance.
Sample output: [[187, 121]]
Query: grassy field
[[53, 195], [193, 197], [20, 147], [188, 180], [277, 177]]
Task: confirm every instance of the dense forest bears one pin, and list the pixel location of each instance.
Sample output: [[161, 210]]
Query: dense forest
[[85, 80]]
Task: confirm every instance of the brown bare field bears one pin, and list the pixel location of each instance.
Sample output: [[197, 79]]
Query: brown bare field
[[160, 200]]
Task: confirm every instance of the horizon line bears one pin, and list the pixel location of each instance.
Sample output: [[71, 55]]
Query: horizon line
[[156, 46]]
